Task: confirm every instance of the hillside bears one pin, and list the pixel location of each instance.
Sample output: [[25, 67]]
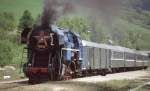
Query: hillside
[[17, 7], [135, 20]]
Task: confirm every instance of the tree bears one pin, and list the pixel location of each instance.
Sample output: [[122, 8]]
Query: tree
[[25, 25], [7, 22], [97, 33], [88, 29], [6, 54], [26, 21], [131, 39], [76, 24]]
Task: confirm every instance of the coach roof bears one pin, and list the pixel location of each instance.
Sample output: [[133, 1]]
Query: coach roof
[[106, 46]]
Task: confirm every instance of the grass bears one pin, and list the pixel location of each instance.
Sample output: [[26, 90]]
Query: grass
[[144, 88], [14, 74], [14, 60], [77, 86], [17, 7], [116, 85]]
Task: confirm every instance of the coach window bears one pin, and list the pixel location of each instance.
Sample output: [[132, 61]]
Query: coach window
[[117, 55], [130, 56], [140, 57], [145, 58]]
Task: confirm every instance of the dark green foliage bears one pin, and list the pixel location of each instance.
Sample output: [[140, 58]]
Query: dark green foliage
[[132, 35], [10, 53], [26, 21], [6, 54], [138, 17], [97, 33], [7, 21], [7, 27], [76, 24], [9, 50]]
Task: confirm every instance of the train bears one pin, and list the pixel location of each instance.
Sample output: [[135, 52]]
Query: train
[[55, 53]]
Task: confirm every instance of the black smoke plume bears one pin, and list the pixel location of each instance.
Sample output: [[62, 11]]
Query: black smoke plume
[[53, 9], [49, 13], [104, 10]]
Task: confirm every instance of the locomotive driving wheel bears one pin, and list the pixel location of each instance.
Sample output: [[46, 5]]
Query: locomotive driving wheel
[[33, 80], [54, 67]]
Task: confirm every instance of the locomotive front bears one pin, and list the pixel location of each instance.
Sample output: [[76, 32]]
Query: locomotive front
[[53, 54], [43, 55]]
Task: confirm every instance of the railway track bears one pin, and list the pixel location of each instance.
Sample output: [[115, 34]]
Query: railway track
[[13, 84], [13, 81], [93, 79]]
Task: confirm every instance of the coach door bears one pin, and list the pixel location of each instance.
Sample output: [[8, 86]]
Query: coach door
[[91, 57], [85, 64], [103, 58], [96, 58]]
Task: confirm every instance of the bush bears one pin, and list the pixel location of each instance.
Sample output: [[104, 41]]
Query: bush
[[76, 24], [18, 58], [6, 54], [10, 53], [7, 21], [26, 21]]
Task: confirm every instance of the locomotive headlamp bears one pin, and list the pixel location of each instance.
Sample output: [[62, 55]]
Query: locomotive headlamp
[[29, 65]]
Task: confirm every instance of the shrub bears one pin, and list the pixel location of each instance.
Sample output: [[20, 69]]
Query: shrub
[[6, 54], [7, 21], [10, 53], [26, 21]]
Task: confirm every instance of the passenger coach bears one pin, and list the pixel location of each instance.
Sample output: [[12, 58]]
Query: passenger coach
[[103, 58]]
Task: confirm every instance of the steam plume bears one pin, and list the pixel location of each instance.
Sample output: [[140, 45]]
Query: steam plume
[[107, 9], [49, 12]]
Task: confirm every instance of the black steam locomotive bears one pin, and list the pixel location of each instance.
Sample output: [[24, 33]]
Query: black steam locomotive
[[53, 53]]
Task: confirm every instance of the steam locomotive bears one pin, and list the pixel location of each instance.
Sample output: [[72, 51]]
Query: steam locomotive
[[55, 53]]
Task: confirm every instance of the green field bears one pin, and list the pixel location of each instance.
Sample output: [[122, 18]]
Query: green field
[[17, 7]]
